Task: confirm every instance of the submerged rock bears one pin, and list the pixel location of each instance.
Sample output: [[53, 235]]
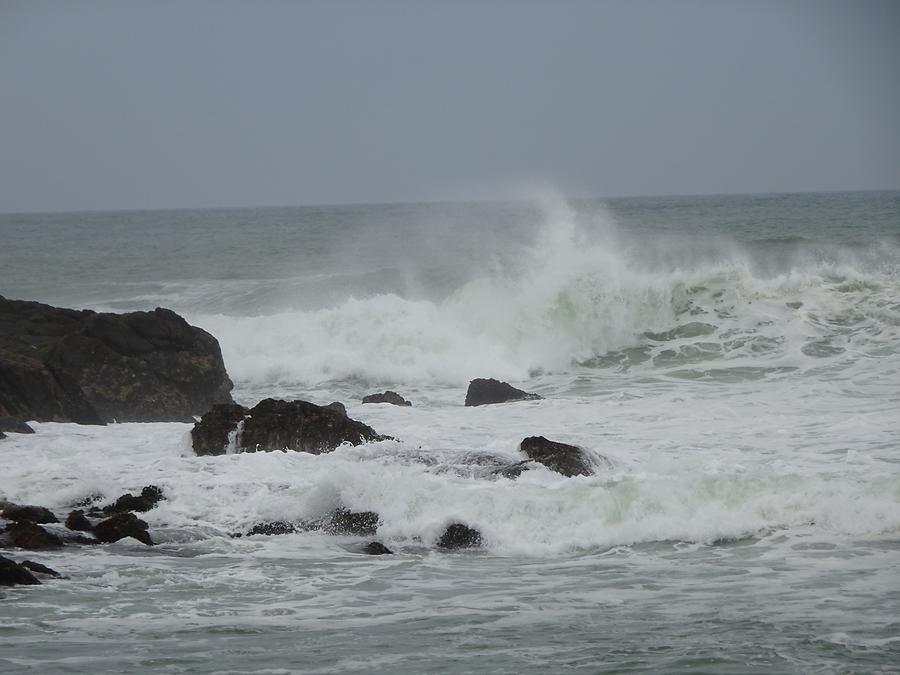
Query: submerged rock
[[32, 537], [569, 460], [67, 365], [14, 574], [343, 521], [377, 548], [391, 397], [458, 536], [486, 391], [32, 514], [120, 526], [278, 425], [150, 496]]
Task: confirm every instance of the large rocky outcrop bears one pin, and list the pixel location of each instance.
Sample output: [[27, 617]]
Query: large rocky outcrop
[[277, 425], [485, 391], [66, 365]]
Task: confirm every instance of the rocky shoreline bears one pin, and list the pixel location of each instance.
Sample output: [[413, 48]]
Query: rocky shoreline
[[93, 368]]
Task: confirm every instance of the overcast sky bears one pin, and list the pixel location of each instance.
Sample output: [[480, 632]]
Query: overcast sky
[[178, 104]]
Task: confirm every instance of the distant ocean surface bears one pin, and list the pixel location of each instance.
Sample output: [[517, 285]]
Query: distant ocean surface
[[736, 359]]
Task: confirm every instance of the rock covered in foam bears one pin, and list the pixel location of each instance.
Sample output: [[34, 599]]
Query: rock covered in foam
[[388, 396], [278, 425], [65, 365], [486, 391]]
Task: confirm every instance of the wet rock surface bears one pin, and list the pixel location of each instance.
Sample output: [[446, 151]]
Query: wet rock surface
[[487, 391], [569, 460], [150, 496], [459, 536], [278, 425], [120, 526], [377, 548], [32, 537], [14, 574], [78, 522], [14, 426], [343, 521], [391, 397], [66, 365], [31, 514]]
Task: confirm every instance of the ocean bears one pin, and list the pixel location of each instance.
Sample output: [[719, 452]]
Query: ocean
[[731, 362]]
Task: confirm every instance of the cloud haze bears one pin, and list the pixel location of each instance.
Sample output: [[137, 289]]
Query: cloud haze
[[170, 104]]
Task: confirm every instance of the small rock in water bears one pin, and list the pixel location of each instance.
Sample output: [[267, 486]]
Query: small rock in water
[[210, 435], [150, 496], [342, 521], [486, 391], [40, 569], [391, 397], [458, 536], [14, 574], [33, 537], [120, 526], [78, 522], [569, 460], [377, 548], [273, 528], [31, 514]]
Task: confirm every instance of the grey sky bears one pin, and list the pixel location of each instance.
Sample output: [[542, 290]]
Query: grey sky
[[177, 104]]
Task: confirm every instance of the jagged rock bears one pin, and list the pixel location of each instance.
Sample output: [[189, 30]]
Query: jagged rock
[[391, 397], [342, 521], [337, 406], [569, 460], [78, 522], [458, 536], [33, 537], [14, 574], [150, 496], [485, 391], [278, 425], [40, 569], [15, 426], [66, 365], [120, 526], [32, 514], [272, 528], [377, 548]]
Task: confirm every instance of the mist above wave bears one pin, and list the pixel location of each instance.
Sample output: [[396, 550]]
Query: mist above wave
[[579, 291]]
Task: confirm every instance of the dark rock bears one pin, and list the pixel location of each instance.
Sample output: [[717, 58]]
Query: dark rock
[[337, 406], [40, 569], [513, 471], [120, 526], [483, 392], [65, 365], [14, 574], [377, 548], [569, 460], [2, 435], [15, 426], [279, 425], [150, 496], [342, 521], [273, 528], [32, 514], [210, 435], [458, 536], [391, 397], [32, 537], [78, 522], [88, 501]]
